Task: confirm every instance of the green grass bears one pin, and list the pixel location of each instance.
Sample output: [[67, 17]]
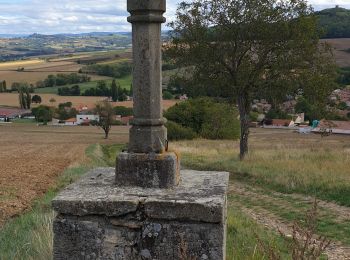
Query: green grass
[[124, 82], [242, 239]]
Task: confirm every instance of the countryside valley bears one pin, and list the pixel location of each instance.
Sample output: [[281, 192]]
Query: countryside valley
[[66, 106]]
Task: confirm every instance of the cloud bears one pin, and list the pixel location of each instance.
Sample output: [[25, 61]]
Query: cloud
[[74, 16]]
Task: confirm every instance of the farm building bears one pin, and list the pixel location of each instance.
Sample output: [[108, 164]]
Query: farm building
[[11, 113], [83, 119]]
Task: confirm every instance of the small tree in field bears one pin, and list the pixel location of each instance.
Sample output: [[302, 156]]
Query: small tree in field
[[243, 47], [106, 113], [36, 99]]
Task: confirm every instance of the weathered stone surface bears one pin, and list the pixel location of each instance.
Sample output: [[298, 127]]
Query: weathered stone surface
[[200, 196], [98, 220], [147, 133], [148, 170]]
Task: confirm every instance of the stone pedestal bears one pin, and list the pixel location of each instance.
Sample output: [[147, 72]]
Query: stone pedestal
[[98, 220]]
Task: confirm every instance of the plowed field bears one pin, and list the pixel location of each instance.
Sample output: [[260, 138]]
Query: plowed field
[[32, 157]]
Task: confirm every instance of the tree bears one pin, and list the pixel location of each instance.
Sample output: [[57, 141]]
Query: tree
[[114, 91], [236, 47], [3, 86], [106, 113], [42, 113], [36, 99], [25, 99]]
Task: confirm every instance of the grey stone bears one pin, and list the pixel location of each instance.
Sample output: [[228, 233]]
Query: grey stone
[[147, 133], [98, 220], [148, 170]]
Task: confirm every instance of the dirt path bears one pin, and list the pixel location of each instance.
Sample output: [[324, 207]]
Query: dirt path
[[271, 210]]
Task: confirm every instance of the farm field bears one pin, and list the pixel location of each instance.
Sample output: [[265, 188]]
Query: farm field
[[341, 50], [32, 157], [35, 70], [124, 82], [11, 100]]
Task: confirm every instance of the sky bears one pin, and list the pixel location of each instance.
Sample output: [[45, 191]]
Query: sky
[[77, 16]]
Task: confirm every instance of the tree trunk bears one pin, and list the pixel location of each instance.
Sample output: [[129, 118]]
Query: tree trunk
[[244, 108], [106, 133]]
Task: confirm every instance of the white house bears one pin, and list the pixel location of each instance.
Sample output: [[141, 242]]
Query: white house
[[86, 118]]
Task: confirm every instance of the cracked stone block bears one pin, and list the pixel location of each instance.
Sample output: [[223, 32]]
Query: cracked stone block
[[98, 220]]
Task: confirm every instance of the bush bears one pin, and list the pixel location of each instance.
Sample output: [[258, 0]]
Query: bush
[[206, 118], [178, 132], [123, 111], [220, 123], [167, 95]]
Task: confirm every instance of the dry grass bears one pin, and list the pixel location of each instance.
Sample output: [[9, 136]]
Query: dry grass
[[282, 160]]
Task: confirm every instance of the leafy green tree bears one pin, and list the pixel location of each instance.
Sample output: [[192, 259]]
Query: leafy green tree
[[106, 114], [236, 46], [36, 99], [24, 96], [167, 95], [206, 118], [42, 113], [114, 91]]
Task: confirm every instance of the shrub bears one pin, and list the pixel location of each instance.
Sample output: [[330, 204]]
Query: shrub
[[123, 111], [178, 132], [167, 95], [206, 118], [220, 123]]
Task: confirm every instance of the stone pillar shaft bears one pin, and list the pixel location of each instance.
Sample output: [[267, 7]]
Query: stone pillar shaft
[[147, 133]]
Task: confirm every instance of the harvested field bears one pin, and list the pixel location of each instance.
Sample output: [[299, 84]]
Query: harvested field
[[11, 99], [32, 157], [35, 70], [341, 51]]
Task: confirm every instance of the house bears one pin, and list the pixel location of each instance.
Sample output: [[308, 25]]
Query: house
[[70, 122], [85, 119]]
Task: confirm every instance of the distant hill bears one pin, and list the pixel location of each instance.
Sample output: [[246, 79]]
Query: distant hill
[[335, 22]]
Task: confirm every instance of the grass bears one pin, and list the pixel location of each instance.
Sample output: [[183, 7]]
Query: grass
[[311, 166], [242, 240], [124, 82], [29, 236]]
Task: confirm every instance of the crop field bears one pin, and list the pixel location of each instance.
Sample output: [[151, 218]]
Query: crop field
[[11, 100], [341, 51], [32, 157], [38, 70], [124, 82]]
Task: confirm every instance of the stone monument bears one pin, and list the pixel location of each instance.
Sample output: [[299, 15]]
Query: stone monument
[[145, 208]]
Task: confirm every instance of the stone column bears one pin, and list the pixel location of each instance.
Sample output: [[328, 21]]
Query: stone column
[[147, 133], [147, 164]]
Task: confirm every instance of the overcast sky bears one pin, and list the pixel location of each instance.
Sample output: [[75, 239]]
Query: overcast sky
[[75, 16]]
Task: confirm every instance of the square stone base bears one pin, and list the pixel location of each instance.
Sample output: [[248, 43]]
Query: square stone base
[[148, 170], [97, 220]]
